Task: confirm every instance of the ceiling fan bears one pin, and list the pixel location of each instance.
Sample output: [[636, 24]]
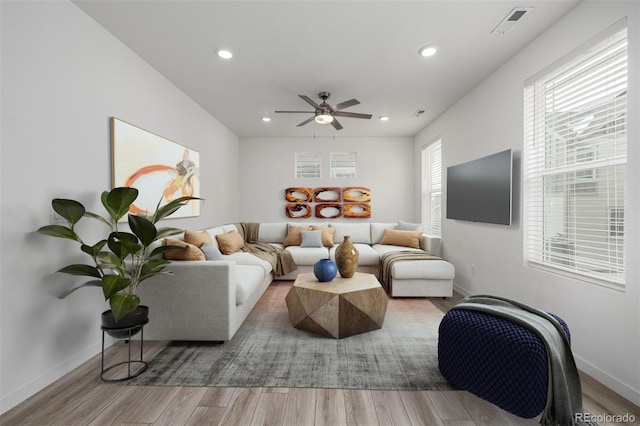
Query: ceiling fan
[[325, 113]]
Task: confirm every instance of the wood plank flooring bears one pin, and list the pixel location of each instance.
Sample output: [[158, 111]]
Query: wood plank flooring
[[81, 398]]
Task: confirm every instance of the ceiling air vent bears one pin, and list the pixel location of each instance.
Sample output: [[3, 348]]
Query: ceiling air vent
[[509, 21]]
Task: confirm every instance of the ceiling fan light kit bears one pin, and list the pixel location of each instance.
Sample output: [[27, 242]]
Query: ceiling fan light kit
[[324, 118], [324, 113]]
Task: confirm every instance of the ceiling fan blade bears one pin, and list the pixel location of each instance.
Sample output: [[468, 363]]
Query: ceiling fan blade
[[307, 121], [346, 104], [336, 124], [352, 115], [294, 112], [309, 101]]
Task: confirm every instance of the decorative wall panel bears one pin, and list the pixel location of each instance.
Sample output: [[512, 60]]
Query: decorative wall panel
[[357, 210], [298, 195], [327, 194], [298, 211], [328, 210], [356, 194]]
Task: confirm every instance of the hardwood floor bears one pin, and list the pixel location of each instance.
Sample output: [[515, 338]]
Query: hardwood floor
[[81, 398]]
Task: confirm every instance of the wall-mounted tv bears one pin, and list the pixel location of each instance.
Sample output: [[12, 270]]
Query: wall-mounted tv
[[480, 190]]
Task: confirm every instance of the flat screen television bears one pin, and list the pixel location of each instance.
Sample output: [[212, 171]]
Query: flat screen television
[[480, 190]]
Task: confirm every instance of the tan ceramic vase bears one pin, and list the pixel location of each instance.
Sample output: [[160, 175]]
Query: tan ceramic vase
[[347, 258]]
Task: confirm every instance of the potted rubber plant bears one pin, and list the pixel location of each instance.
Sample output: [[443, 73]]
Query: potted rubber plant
[[123, 259]]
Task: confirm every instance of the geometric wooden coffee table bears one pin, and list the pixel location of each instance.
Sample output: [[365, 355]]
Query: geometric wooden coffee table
[[340, 308]]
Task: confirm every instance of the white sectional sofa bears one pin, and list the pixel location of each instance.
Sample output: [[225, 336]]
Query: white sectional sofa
[[208, 300]]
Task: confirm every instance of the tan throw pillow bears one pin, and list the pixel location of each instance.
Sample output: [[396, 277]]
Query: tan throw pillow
[[293, 235], [395, 237], [197, 238], [230, 242], [189, 251], [327, 234]]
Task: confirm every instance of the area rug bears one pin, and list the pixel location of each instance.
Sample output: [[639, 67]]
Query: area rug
[[267, 351]]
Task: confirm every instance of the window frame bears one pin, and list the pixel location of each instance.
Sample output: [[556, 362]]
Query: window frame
[[594, 79], [431, 186]]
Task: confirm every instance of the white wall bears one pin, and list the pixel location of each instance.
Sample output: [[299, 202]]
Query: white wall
[[383, 164], [63, 76], [605, 323]]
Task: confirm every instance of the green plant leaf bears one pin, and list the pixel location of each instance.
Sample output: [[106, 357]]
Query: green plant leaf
[[71, 210], [92, 283], [58, 231], [171, 207], [152, 267], [163, 249], [78, 269], [100, 219], [143, 229], [112, 284], [118, 200], [122, 304], [166, 232], [108, 260], [93, 250], [122, 244]]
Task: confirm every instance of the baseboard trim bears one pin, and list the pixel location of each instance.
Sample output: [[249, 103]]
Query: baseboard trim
[[617, 386], [26, 391]]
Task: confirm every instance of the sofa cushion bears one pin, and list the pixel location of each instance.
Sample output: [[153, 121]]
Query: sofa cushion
[[401, 238], [197, 238], [311, 238], [217, 230], [272, 232], [408, 226], [188, 252], [248, 279], [243, 258], [419, 269], [327, 234], [307, 256], [359, 232], [366, 255], [230, 242], [382, 249], [211, 252], [293, 235], [377, 231]]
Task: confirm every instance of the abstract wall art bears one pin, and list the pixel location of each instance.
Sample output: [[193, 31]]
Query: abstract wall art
[[160, 169]]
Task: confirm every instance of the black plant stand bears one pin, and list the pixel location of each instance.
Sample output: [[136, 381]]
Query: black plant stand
[[131, 332]]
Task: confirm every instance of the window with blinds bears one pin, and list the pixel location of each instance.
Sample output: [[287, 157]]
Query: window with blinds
[[574, 162], [308, 164], [432, 188], [342, 164]]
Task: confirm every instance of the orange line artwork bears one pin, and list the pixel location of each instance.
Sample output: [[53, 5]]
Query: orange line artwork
[[179, 185]]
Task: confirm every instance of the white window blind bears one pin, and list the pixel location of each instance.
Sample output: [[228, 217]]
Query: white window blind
[[308, 164], [432, 188], [575, 160], [342, 164]]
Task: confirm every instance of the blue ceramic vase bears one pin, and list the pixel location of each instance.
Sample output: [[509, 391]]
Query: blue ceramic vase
[[325, 270]]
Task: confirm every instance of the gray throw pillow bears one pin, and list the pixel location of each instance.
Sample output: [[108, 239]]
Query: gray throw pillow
[[211, 252], [311, 238], [407, 226]]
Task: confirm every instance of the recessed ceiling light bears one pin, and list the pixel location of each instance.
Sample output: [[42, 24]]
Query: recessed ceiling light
[[428, 50], [224, 53], [384, 118], [266, 119]]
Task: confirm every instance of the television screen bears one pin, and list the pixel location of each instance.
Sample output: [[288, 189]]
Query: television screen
[[480, 190]]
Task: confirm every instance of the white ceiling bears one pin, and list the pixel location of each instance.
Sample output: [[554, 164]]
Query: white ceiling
[[366, 50]]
